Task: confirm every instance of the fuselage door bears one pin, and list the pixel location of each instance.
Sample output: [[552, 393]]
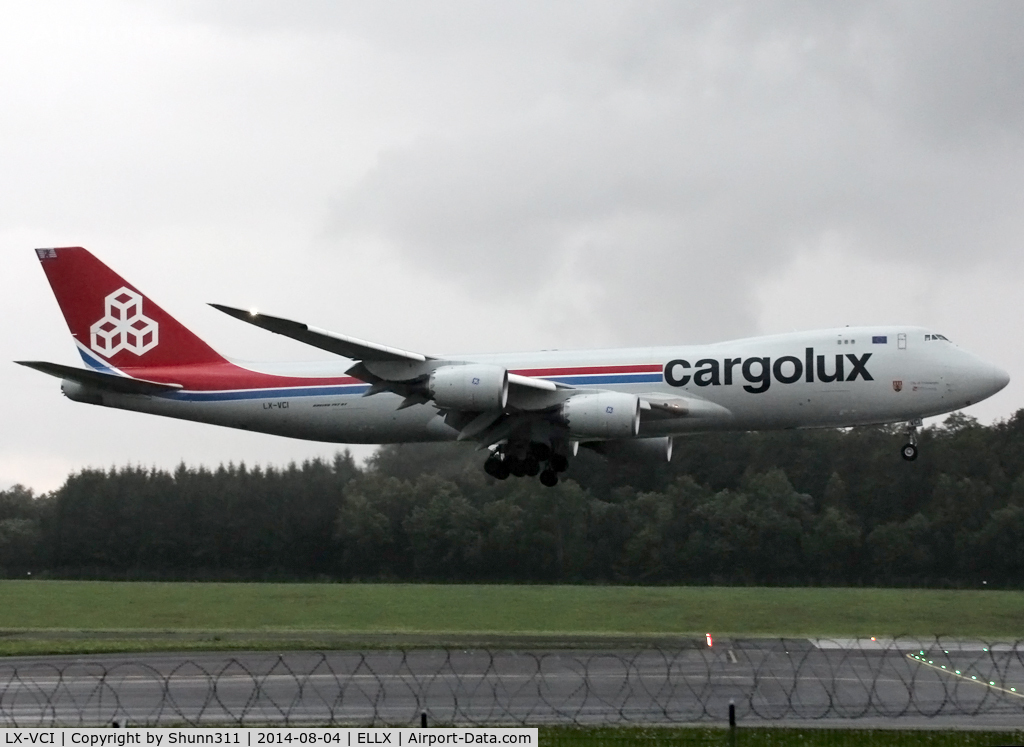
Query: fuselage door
[[901, 341]]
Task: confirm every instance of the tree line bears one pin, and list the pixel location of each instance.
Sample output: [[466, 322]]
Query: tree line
[[833, 507]]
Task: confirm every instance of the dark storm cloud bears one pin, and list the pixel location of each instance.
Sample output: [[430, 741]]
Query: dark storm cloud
[[674, 155]]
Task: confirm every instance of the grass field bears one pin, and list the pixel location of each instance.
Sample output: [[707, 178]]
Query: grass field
[[74, 615]]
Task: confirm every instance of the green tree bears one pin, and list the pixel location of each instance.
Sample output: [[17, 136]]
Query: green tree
[[833, 545], [903, 551], [19, 544], [996, 551], [444, 530], [648, 553]]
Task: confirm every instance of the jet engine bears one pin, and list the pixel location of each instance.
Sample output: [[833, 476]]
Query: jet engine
[[475, 387], [602, 414]]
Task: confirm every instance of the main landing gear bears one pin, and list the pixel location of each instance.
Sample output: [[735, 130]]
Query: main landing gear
[[909, 450], [527, 461]]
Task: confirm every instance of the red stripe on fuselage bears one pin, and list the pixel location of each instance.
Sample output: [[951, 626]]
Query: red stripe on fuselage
[[228, 376]]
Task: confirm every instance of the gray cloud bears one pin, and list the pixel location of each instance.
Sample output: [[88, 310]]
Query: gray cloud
[[679, 155], [461, 175]]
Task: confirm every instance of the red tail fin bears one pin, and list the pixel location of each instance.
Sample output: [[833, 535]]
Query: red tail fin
[[114, 324]]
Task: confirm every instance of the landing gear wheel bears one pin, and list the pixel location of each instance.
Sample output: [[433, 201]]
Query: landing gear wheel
[[549, 478], [558, 462], [496, 467], [516, 467], [541, 451], [531, 466], [909, 450]]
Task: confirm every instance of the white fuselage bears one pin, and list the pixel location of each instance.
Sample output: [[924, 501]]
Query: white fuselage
[[888, 374]]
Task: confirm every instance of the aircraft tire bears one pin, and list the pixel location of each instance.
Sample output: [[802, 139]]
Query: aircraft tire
[[531, 466], [909, 452], [516, 467], [549, 478], [496, 467], [540, 450], [558, 462]]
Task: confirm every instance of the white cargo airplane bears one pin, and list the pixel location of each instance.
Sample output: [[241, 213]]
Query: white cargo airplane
[[531, 409]]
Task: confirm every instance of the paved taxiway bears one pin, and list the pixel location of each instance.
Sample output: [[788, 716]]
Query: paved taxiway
[[848, 683]]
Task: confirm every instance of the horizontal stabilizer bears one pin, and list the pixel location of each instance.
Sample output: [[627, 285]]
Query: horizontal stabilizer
[[105, 381], [347, 347]]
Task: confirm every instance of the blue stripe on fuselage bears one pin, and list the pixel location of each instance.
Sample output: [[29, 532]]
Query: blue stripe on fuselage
[[313, 391], [595, 379]]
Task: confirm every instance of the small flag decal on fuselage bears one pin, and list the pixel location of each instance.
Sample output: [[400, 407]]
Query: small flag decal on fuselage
[[880, 339]]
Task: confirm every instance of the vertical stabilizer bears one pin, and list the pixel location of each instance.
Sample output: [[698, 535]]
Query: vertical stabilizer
[[115, 326]]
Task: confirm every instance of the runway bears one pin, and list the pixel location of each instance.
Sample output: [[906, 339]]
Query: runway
[[854, 683]]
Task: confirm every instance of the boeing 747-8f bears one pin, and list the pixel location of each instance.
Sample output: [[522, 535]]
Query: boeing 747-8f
[[532, 410]]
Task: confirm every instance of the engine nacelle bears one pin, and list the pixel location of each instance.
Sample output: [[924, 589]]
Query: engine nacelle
[[476, 387], [602, 414]]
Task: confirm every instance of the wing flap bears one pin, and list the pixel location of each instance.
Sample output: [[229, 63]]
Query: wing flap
[[528, 382]]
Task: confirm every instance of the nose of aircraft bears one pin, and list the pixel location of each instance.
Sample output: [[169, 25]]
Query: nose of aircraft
[[999, 379], [972, 379]]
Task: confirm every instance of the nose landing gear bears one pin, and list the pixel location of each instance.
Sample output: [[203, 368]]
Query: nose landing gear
[[909, 449]]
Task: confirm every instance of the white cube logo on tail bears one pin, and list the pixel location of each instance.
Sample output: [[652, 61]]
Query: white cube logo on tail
[[124, 327]]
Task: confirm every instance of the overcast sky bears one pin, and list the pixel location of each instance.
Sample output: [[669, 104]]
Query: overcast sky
[[474, 176]]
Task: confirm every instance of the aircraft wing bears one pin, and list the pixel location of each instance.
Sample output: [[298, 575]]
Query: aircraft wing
[[100, 380], [370, 353], [332, 342]]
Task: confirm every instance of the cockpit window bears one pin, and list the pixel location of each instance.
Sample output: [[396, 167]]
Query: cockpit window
[[936, 337]]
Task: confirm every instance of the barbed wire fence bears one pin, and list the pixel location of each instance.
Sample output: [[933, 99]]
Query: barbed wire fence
[[767, 680]]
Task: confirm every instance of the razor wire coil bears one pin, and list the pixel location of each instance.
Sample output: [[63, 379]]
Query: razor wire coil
[[767, 679]]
